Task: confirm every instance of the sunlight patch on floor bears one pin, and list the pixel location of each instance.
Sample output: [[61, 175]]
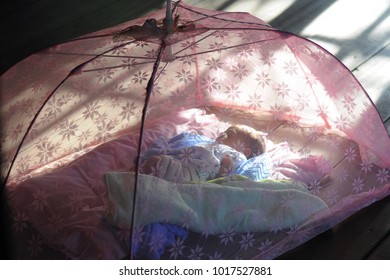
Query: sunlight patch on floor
[[344, 24], [379, 88], [266, 10]]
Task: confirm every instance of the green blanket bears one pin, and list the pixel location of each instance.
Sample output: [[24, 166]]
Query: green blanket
[[233, 203]]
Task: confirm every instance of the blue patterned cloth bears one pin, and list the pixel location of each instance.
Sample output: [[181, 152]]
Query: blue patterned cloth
[[157, 237], [256, 168], [186, 139], [206, 155]]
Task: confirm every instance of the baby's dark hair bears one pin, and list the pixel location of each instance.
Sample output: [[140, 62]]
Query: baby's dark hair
[[254, 138]]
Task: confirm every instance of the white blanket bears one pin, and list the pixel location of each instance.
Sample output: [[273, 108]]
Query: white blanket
[[232, 205]]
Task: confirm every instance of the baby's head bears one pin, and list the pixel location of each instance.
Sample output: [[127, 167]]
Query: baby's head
[[244, 139]]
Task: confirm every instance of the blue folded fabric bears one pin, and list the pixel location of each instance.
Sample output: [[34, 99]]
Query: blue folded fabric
[[175, 144], [256, 168], [157, 237], [186, 139]]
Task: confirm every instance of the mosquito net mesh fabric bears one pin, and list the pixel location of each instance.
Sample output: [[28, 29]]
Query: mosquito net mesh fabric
[[82, 119]]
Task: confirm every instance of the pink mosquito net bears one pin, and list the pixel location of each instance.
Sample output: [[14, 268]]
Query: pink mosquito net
[[79, 117]]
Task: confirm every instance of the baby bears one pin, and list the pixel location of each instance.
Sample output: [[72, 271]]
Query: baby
[[197, 158]]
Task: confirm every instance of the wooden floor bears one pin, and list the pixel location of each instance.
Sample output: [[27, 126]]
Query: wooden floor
[[357, 32]]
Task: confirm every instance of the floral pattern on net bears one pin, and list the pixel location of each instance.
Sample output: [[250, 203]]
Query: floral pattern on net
[[267, 73]]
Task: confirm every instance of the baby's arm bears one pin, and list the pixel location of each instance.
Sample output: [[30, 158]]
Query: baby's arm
[[226, 166]]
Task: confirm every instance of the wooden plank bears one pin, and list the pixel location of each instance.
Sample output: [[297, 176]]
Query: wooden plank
[[353, 33], [11, 6], [48, 22], [354, 238], [387, 124], [381, 252], [374, 76]]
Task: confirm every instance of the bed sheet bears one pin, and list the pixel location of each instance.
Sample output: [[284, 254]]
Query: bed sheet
[[62, 208]]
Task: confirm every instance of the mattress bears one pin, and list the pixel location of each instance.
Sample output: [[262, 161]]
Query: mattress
[[63, 209]]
